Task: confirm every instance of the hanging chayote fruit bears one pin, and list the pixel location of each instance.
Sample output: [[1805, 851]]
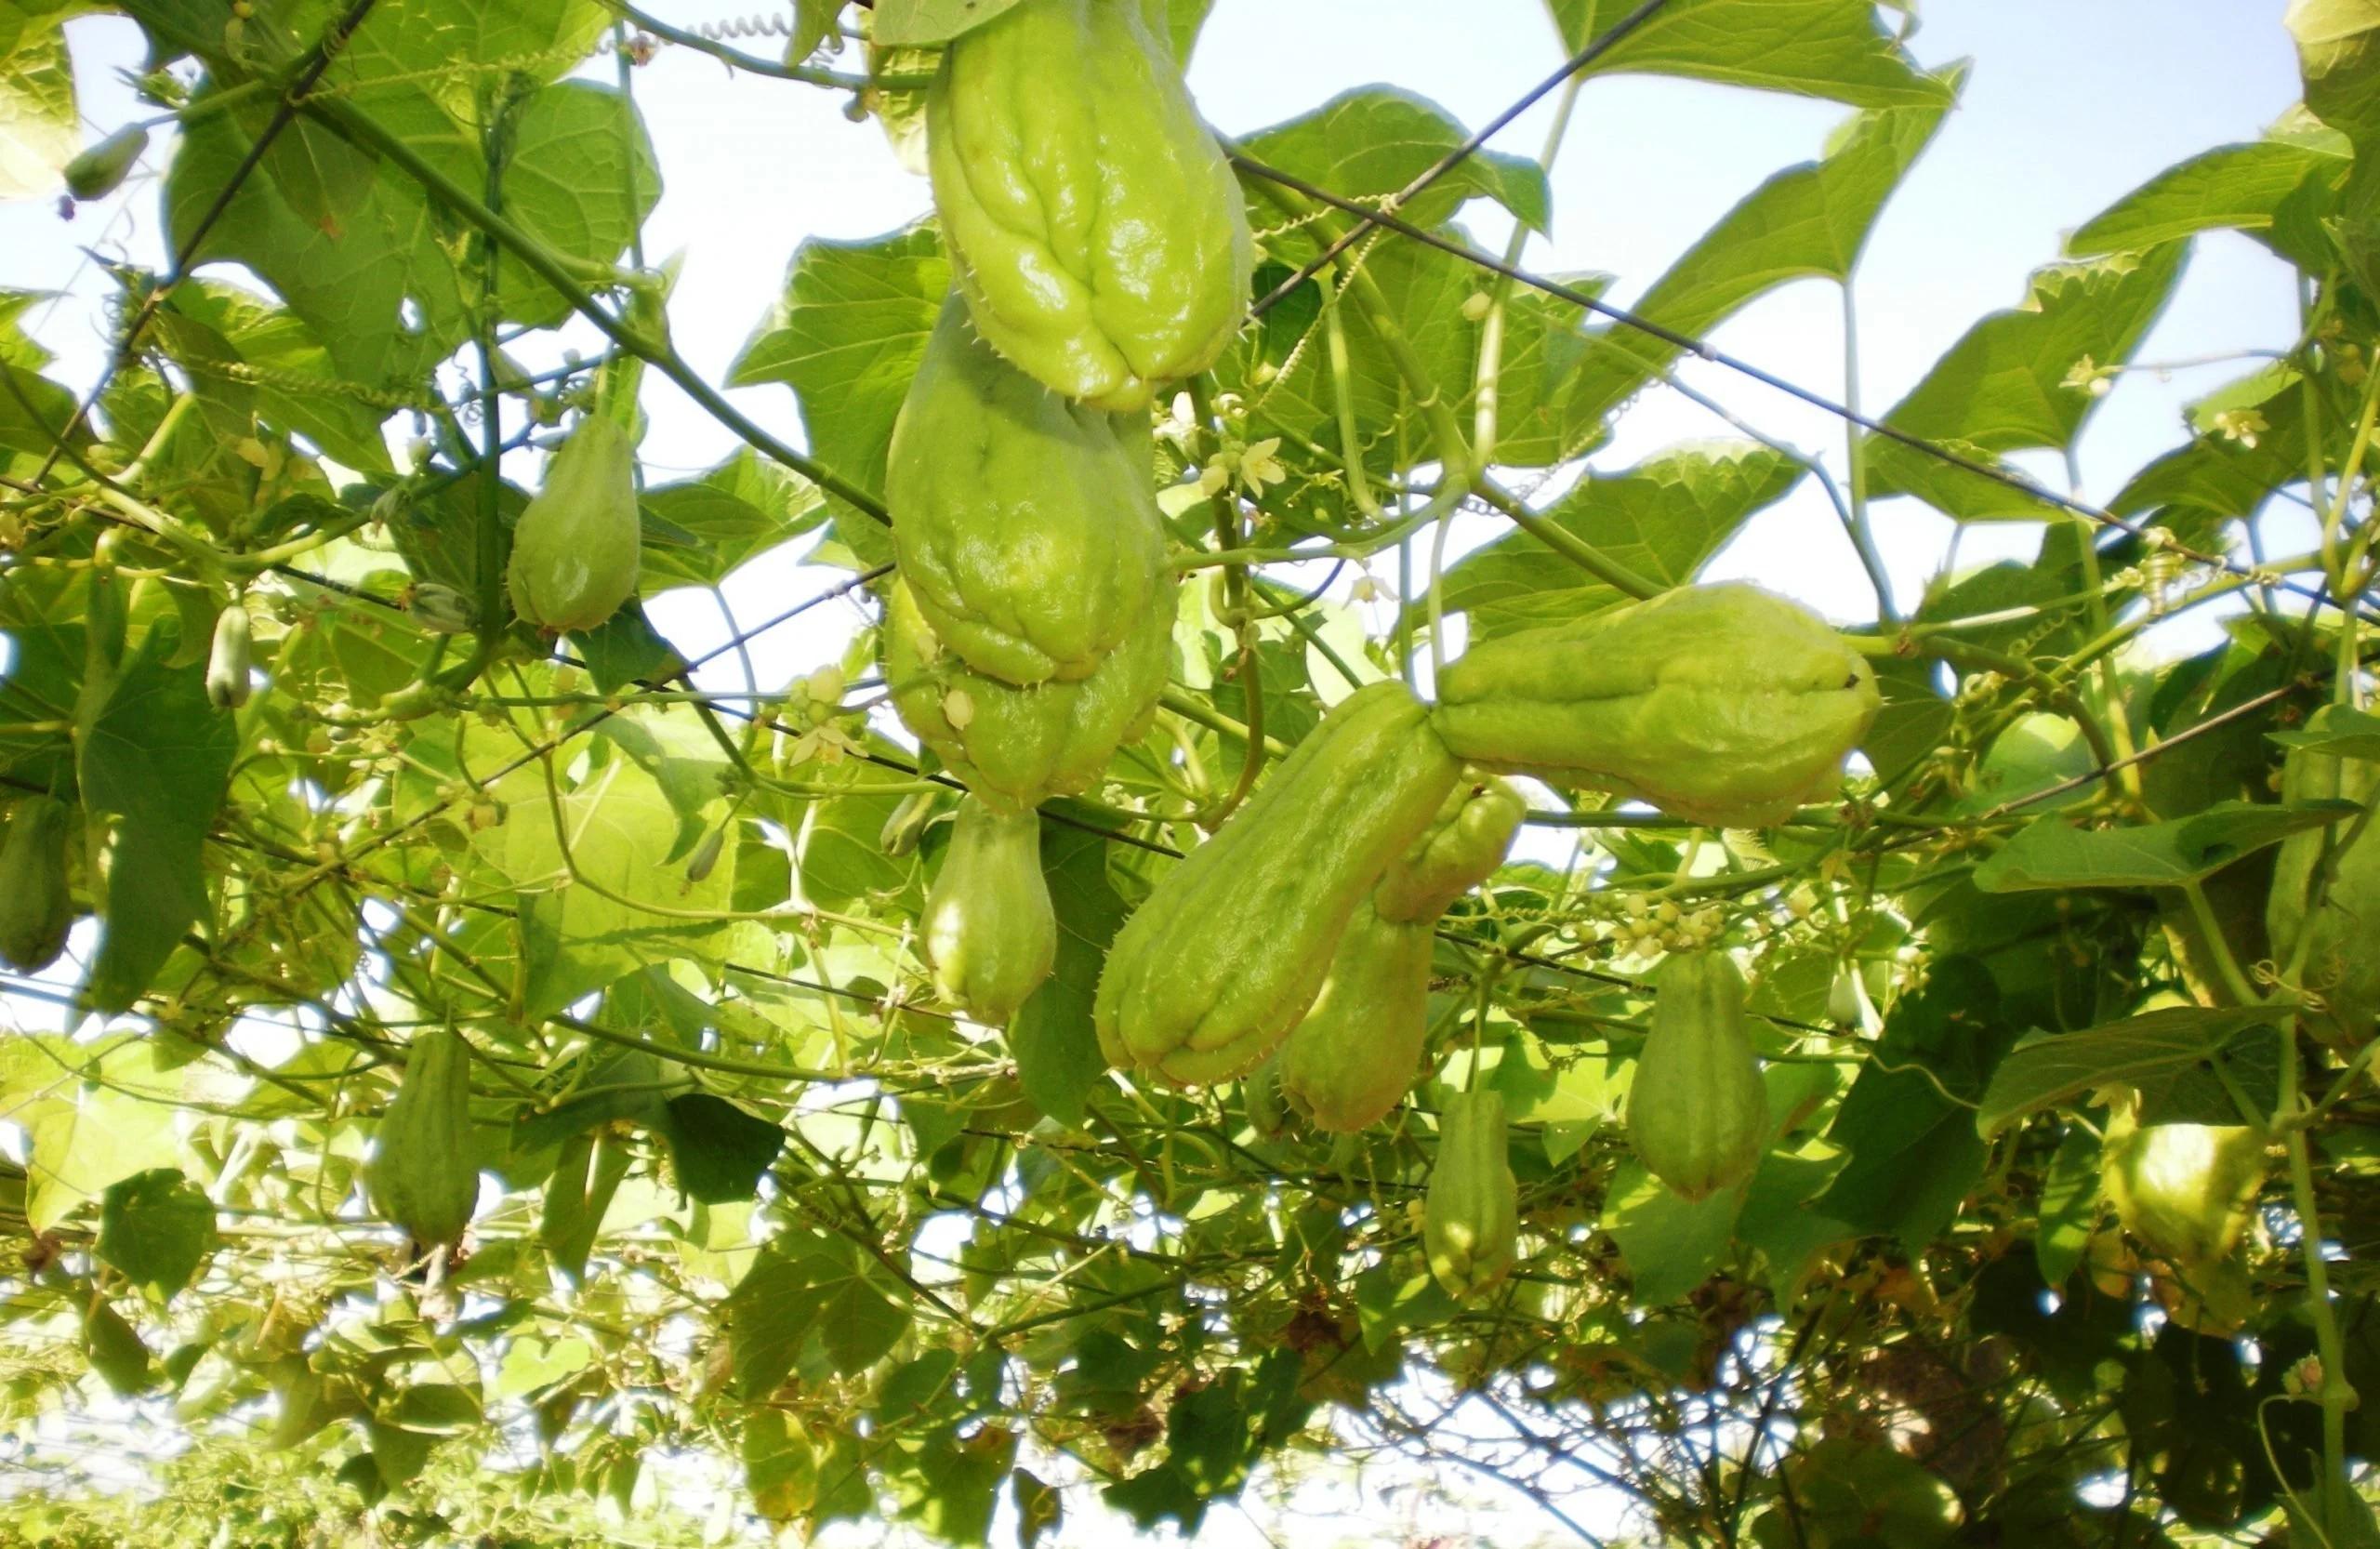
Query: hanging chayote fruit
[[1097, 232]]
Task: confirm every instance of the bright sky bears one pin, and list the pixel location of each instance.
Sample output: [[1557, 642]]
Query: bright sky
[[2071, 105]]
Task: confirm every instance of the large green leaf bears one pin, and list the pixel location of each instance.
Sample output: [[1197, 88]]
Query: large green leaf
[[1057, 1053], [580, 175], [1663, 519], [2023, 381], [2051, 853], [38, 133], [1817, 48], [2240, 188], [1807, 221], [2154, 1049], [158, 760], [1373, 140]]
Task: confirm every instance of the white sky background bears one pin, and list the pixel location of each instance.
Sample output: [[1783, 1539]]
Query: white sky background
[[2072, 104]]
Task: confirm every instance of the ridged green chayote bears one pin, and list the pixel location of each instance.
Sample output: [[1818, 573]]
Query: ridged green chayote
[[990, 932], [1697, 1111], [2342, 958], [576, 546], [1098, 234], [1025, 527], [1212, 971], [1358, 1050], [2187, 1191], [1014, 747], [1470, 1218], [1723, 704]]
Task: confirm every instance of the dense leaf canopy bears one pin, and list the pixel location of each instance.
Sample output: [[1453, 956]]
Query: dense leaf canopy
[[766, 1232]]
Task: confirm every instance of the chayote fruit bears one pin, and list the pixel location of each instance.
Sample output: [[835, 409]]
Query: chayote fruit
[[1697, 1112], [423, 1174], [228, 684], [99, 171], [1354, 1054], [1212, 971], [575, 550], [1098, 234], [1721, 704], [2341, 964], [1026, 526], [2185, 1190], [989, 929], [1470, 1217], [1016, 748], [37, 909]]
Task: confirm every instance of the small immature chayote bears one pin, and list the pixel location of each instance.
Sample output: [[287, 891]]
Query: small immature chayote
[[1470, 1217], [2340, 963], [578, 542], [2185, 1190], [1697, 1110], [989, 929], [1025, 527], [1098, 234], [1359, 1047], [1723, 704]]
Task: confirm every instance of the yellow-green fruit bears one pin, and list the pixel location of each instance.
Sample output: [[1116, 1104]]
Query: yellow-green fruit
[[1025, 527], [1214, 970], [1356, 1053], [226, 661], [99, 171], [1697, 1112], [1099, 236], [1722, 704], [1356, 1050], [1014, 747], [2343, 956], [425, 1175], [990, 932], [35, 908], [1463, 849], [1470, 1220], [2185, 1190], [575, 550]]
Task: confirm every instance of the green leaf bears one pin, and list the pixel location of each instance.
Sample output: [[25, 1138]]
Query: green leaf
[[912, 22], [2239, 188], [2152, 1050], [2340, 731], [155, 1228], [2070, 1207], [2051, 853], [1374, 140], [1663, 519], [1670, 1246], [780, 1468], [846, 336], [626, 649], [115, 1348], [721, 1152], [1058, 1060], [1817, 47], [38, 133], [1914, 1153], [158, 760], [580, 175], [1810, 221], [729, 515], [2021, 380]]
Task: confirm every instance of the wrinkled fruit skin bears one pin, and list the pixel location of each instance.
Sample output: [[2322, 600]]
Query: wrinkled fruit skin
[[1720, 704], [227, 662], [1026, 525], [576, 550], [1470, 1219], [990, 932], [1099, 236], [1359, 1047], [1698, 1113], [1354, 1054], [424, 1175], [1214, 970], [35, 908], [1019, 746], [2343, 959], [2185, 1190]]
